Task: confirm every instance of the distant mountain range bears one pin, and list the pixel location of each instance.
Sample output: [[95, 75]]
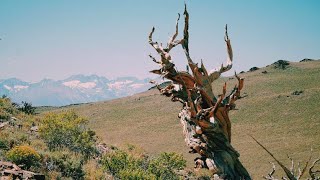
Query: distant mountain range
[[73, 90]]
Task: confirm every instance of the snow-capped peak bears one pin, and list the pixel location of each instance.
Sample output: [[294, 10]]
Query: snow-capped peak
[[7, 87], [75, 89], [20, 87], [78, 84]]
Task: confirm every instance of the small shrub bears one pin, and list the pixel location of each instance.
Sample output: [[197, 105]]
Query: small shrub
[[6, 108], [253, 69], [85, 144], [68, 130], [38, 144], [17, 138], [115, 161], [67, 163], [297, 92], [203, 174], [24, 155], [93, 171], [136, 174], [72, 168], [27, 108], [54, 175], [131, 165], [281, 64], [165, 165], [3, 144], [4, 115]]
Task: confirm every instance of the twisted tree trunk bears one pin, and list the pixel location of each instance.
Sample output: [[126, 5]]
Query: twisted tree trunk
[[205, 119]]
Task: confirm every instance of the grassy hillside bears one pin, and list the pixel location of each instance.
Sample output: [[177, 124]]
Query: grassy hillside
[[284, 123]]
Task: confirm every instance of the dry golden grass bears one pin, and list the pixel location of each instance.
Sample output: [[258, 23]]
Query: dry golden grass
[[284, 123]]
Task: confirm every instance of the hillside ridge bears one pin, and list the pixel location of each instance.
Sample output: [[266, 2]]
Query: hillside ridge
[[72, 90], [285, 122]]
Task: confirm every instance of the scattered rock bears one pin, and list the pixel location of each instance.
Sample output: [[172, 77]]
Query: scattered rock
[[306, 60], [2, 125], [103, 148], [253, 69], [296, 93], [185, 174], [12, 171], [264, 72], [241, 72], [34, 129], [12, 123], [281, 64], [14, 119]]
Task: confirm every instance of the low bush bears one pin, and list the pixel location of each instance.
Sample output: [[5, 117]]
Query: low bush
[[165, 164], [67, 129], [94, 171], [27, 108], [126, 165], [25, 156], [66, 162], [136, 174], [3, 144]]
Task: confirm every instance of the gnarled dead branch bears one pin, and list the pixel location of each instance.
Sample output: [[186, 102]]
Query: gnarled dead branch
[[291, 173], [313, 173], [204, 117], [215, 73]]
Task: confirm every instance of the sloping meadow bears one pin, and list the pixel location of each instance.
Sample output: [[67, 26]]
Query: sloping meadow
[[280, 108]]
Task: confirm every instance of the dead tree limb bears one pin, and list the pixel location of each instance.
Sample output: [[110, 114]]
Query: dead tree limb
[[215, 73], [313, 174], [204, 117], [270, 175], [291, 173]]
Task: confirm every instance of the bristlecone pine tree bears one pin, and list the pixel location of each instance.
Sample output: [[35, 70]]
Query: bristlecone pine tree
[[205, 120]]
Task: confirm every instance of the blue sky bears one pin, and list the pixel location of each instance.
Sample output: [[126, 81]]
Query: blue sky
[[56, 39]]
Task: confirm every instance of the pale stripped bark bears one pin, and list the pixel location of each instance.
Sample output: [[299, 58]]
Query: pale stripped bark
[[204, 117]]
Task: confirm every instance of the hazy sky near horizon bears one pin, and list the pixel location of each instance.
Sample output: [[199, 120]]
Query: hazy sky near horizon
[[56, 39]]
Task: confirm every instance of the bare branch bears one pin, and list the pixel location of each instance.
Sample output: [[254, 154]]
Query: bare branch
[[314, 173], [285, 169], [215, 108], [154, 59], [172, 43], [270, 175], [292, 165], [273, 169], [156, 71], [305, 167], [235, 93], [185, 43], [299, 170], [215, 73], [155, 45], [165, 56], [204, 70], [224, 90], [191, 105], [156, 84]]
